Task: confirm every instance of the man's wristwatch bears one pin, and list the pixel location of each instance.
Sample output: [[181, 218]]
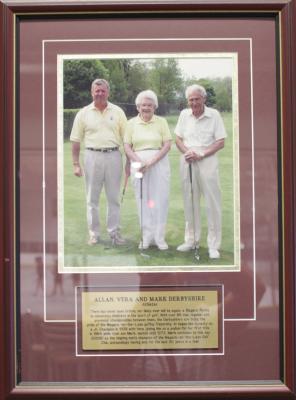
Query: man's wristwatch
[[201, 154]]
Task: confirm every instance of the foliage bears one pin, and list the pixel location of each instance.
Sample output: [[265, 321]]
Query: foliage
[[165, 79], [117, 79], [127, 77], [69, 116], [223, 89], [137, 79], [78, 76]]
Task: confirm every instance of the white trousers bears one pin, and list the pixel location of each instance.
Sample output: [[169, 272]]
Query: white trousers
[[205, 181], [155, 197], [102, 170]]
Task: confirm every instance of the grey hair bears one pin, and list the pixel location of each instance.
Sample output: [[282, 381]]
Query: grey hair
[[195, 88], [100, 82], [146, 94]]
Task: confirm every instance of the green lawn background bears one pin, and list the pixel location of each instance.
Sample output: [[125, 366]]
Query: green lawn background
[[78, 254]]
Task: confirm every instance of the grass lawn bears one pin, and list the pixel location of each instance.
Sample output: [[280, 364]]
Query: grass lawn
[[78, 253]]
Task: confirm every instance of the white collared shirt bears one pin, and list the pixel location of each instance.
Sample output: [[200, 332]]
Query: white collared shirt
[[201, 131]]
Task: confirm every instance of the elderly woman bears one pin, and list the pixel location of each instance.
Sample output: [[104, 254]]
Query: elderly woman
[[147, 141]]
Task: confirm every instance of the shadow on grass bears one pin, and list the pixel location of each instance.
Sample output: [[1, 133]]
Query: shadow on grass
[[106, 254]]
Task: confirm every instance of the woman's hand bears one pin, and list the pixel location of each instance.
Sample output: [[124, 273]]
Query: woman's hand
[[146, 165], [130, 154], [158, 156]]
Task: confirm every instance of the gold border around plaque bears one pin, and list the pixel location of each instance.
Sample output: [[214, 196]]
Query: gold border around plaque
[[125, 320]]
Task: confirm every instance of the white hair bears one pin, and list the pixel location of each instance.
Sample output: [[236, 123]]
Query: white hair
[[146, 94], [195, 88], [99, 82]]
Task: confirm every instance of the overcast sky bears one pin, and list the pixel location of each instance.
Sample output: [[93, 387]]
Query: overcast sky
[[206, 67]]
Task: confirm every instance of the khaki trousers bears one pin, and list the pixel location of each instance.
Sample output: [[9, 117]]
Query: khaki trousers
[[205, 182]]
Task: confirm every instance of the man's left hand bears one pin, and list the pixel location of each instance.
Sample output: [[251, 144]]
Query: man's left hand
[[192, 156]]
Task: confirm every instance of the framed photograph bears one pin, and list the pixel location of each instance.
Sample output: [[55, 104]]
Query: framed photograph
[[148, 196]]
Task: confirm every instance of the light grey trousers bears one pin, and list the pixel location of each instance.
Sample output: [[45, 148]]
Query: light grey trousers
[[155, 198], [102, 170], [205, 182]]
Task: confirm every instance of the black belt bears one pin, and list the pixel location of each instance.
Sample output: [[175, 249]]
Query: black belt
[[103, 150]]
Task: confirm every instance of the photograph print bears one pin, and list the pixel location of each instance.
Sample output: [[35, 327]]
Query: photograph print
[[148, 163]]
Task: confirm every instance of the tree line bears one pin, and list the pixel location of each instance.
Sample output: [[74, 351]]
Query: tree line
[[127, 77]]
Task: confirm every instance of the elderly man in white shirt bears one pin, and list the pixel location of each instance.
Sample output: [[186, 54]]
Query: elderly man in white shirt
[[200, 133]]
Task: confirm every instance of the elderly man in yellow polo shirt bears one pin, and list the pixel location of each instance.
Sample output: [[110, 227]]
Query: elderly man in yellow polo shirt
[[100, 126], [147, 141], [200, 134]]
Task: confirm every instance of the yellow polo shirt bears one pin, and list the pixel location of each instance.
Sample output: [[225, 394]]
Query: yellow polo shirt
[[147, 135], [99, 129]]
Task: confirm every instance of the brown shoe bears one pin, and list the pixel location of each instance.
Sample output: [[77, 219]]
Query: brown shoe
[[93, 240], [117, 239]]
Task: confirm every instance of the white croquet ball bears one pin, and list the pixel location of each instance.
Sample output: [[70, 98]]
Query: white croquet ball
[[138, 175]]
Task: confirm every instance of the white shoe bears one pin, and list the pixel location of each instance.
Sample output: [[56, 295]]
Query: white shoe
[[214, 254], [143, 246], [186, 247], [162, 245]]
